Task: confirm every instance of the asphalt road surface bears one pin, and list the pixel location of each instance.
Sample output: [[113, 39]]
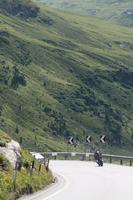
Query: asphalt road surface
[[80, 180]]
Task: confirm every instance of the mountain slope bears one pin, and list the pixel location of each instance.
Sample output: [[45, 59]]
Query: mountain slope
[[62, 75], [112, 10]]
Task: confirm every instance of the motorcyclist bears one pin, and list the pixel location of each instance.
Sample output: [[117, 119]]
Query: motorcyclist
[[98, 157]]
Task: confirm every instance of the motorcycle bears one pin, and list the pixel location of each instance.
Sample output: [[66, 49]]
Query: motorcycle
[[99, 162], [98, 158]]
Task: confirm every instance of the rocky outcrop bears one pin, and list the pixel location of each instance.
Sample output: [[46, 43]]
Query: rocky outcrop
[[12, 151]]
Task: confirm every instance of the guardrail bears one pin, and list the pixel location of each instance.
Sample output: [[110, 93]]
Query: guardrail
[[87, 156]]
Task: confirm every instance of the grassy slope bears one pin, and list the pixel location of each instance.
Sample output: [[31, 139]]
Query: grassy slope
[[106, 9], [4, 137], [71, 64], [24, 180], [25, 183]]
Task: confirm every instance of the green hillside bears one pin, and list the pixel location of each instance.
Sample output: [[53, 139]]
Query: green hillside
[[120, 11], [63, 74]]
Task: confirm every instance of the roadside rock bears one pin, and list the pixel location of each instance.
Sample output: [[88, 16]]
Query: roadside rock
[[12, 152]]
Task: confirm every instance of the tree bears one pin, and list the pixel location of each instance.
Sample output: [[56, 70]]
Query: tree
[[17, 129], [18, 79], [113, 128]]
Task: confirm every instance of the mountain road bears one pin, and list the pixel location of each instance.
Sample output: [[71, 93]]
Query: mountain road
[[81, 180]]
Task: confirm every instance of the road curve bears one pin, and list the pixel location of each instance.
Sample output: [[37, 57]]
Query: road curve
[[80, 180]]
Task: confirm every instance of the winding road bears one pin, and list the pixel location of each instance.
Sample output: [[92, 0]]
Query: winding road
[[81, 180]]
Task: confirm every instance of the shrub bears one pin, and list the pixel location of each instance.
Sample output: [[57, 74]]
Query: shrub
[[18, 79], [2, 143], [4, 163], [23, 8]]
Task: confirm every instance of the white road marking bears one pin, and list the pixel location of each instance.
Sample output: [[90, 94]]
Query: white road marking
[[60, 190]]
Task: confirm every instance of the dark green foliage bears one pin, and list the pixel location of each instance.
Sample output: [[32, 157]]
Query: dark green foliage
[[22, 8], [26, 165], [57, 124], [21, 52], [12, 78], [21, 140], [4, 164], [2, 144], [24, 57], [17, 130], [125, 77], [113, 127], [4, 35], [46, 20], [4, 74], [17, 79]]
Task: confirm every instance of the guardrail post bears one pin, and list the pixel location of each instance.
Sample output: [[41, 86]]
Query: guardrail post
[[55, 157], [130, 163], [110, 159], [66, 157], [121, 162], [83, 157], [39, 169], [47, 166], [15, 177]]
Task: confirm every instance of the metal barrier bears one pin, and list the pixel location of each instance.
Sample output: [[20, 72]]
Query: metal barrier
[[87, 156]]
